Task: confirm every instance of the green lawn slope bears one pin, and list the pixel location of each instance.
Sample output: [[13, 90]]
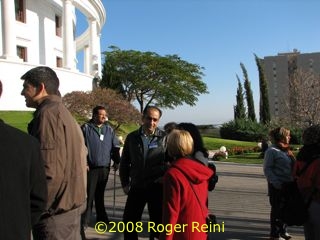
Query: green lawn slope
[[245, 153], [18, 119]]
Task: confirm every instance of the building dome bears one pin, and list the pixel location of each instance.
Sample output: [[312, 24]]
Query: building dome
[[42, 33]]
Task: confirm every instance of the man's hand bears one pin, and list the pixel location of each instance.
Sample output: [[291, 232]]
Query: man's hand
[[126, 189]]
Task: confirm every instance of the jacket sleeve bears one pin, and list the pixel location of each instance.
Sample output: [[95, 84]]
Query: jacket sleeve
[[115, 151], [38, 185], [268, 168], [53, 151], [125, 164], [171, 206]]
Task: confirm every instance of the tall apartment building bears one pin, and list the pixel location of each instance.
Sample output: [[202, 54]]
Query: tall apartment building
[[277, 72], [44, 33]]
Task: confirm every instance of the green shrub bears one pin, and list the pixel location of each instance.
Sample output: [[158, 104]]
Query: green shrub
[[243, 130], [296, 135]]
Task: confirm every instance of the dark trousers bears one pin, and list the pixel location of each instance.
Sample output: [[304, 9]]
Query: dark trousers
[[275, 199], [62, 226], [136, 201], [96, 185]]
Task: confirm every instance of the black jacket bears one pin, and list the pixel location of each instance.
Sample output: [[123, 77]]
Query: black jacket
[[137, 171], [22, 182]]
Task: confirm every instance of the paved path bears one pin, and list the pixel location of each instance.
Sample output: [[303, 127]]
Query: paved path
[[239, 201]]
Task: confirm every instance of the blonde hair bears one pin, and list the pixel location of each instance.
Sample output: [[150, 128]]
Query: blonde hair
[[179, 143]]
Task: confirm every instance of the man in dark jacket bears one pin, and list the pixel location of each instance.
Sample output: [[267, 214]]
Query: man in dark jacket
[[64, 154], [22, 183], [142, 167], [103, 145]]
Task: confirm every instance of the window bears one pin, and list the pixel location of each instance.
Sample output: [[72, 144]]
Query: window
[[58, 25], [59, 62], [310, 64], [20, 12], [22, 53]]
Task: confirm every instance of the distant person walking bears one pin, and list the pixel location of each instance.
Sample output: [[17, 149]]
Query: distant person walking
[[22, 183], [103, 145], [277, 166], [142, 167], [64, 154]]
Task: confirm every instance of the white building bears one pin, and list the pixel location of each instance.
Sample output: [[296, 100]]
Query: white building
[[42, 32]]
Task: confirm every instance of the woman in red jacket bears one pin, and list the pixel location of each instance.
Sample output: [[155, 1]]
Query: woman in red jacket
[[185, 191]]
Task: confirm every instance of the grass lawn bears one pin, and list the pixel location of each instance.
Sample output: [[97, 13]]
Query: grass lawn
[[18, 119], [216, 143], [247, 158]]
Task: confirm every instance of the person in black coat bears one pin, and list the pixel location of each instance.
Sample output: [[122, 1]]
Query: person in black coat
[[22, 183]]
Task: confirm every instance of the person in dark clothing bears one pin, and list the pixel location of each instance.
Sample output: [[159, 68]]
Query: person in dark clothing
[[22, 182], [103, 145], [308, 161], [142, 167]]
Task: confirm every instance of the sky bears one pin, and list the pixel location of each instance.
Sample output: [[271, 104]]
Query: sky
[[217, 35]]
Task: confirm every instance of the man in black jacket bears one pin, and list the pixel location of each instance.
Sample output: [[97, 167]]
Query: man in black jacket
[[22, 183], [142, 166]]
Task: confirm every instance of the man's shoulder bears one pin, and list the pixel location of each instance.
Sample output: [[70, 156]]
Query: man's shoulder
[[134, 133], [85, 125], [108, 127], [160, 133]]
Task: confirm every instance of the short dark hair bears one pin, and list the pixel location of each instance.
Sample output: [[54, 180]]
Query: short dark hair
[[148, 107], [196, 136], [168, 127], [45, 75], [96, 109]]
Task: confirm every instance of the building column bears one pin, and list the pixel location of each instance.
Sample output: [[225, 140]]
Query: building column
[[86, 60], [67, 37], [99, 56], [94, 48], [9, 30]]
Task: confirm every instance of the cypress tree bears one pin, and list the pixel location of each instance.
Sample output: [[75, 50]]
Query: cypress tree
[[264, 110], [249, 96], [239, 109]]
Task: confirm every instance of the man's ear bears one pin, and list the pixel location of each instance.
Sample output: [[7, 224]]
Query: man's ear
[[41, 90]]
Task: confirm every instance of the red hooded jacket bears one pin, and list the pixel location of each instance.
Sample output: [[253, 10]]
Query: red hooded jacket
[[183, 216]]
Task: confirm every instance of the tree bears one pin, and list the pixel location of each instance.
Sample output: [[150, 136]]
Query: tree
[[304, 99], [239, 109], [264, 110], [249, 96], [148, 78], [120, 111]]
